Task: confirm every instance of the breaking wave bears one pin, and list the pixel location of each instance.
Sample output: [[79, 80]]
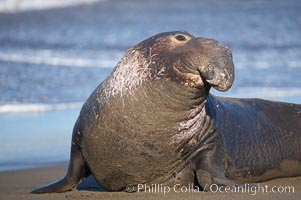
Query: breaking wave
[[9, 6], [32, 108], [57, 61]]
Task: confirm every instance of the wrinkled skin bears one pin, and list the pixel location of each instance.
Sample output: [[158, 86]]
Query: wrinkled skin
[[153, 121]]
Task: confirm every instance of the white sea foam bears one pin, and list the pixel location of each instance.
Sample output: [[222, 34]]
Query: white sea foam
[[57, 61], [262, 92], [259, 92], [266, 64], [22, 108], [9, 6]]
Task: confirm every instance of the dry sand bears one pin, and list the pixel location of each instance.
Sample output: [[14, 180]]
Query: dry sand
[[18, 184]]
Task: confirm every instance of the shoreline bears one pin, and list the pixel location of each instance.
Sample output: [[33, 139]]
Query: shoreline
[[18, 184], [24, 166]]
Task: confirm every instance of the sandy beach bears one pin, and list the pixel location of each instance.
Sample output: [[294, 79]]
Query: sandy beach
[[18, 184]]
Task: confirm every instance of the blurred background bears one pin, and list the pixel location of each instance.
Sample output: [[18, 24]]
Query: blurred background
[[53, 54]]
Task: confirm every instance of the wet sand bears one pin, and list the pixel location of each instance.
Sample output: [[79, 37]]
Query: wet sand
[[18, 184]]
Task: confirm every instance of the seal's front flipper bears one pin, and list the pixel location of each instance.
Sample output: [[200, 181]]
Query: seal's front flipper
[[219, 184], [225, 182], [77, 171], [214, 179]]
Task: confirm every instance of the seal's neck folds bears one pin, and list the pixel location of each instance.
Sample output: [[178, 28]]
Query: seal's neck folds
[[194, 130]]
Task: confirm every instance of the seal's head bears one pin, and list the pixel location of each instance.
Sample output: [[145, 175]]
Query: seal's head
[[196, 62], [176, 56]]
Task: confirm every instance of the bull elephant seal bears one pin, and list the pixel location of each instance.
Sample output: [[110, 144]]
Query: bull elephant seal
[[153, 121]]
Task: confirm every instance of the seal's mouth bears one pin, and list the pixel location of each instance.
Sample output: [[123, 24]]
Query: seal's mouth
[[218, 73], [189, 76]]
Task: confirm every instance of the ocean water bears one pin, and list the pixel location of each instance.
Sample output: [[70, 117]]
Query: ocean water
[[51, 59]]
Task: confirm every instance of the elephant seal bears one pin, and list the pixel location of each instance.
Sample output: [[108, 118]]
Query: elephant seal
[[153, 121]]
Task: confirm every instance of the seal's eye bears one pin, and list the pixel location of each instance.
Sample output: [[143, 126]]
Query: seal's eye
[[181, 38]]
